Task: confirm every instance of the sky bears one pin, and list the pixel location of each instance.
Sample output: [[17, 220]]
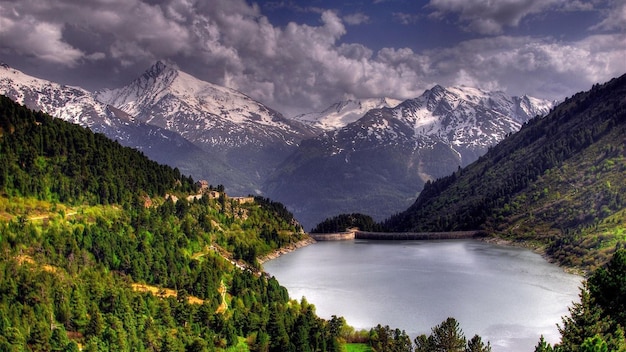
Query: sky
[[302, 56]]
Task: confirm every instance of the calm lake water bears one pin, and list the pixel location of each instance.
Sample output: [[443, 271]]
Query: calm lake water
[[509, 296]]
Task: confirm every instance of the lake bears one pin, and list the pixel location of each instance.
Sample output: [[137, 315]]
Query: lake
[[509, 296]]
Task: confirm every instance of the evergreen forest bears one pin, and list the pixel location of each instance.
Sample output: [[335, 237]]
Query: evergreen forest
[[558, 184], [342, 222], [102, 249]]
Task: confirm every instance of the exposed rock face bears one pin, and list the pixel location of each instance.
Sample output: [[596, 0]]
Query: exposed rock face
[[289, 248], [378, 164], [249, 138]]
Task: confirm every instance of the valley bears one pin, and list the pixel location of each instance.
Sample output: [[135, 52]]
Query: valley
[[91, 229], [312, 176], [317, 164]]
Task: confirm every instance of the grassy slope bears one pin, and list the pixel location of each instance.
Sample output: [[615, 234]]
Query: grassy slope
[[558, 183], [89, 240]]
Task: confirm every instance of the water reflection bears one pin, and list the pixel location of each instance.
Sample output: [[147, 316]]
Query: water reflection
[[509, 296]]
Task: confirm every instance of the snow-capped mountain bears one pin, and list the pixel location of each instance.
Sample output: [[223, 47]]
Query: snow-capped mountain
[[344, 112], [69, 103], [470, 120], [373, 161], [379, 163], [250, 138], [79, 106], [206, 114]]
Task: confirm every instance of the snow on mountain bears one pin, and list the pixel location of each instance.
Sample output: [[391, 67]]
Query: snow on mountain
[[465, 117], [342, 113], [380, 162], [77, 105], [69, 103], [205, 113]]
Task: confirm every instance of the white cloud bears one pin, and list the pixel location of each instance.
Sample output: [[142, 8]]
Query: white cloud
[[300, 68], [405, 18], [487, 16], [615, 18], [356, 18], [42, 40], [544, 68]]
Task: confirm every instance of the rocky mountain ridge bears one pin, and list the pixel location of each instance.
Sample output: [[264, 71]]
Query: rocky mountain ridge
[[340, 114], [204, 113], [379, 163], [372, 160]]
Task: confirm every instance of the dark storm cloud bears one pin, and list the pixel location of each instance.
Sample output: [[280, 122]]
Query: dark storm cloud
[[298, 67], [489, 17]]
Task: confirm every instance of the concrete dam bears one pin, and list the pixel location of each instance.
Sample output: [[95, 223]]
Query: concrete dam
[[399, 236]]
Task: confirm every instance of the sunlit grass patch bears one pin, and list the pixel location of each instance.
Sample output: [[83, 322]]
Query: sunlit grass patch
[[356, 347]]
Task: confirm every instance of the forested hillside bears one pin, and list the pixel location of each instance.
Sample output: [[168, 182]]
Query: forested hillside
[[95, 256], [342, 222], [57, 161], [558, 183]]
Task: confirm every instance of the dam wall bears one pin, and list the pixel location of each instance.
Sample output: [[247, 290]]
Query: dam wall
[[395, 236], [340, 236], [416, 236]]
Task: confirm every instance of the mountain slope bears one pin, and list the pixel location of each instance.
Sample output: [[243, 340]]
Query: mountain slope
[[204, 113], [378, 164], [342, 113], [251, 138], [558, 181], [76, 105], [81, 244]]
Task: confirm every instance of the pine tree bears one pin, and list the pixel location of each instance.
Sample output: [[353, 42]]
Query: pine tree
[[447, 337], [475, 344], [594, 344], [543, 346], [585, 321], [608, 287]]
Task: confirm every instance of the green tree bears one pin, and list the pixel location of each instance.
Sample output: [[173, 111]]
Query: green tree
[[607, 286], [385, 339], [594, 344], [14, 340], [59, 340], [40, 334], [585, 321], [79, 317], [279, 340], [445, 337], [543, 346], [597, 316], [71, 347], [96, 325], [475, 344], [448, 337]]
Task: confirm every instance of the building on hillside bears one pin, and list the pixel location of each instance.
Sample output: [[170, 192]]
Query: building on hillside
[[203, 185]]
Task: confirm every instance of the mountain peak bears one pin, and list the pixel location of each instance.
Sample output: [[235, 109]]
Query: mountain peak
[[436, 89], [204, 113], [157, 69], [344, 112]]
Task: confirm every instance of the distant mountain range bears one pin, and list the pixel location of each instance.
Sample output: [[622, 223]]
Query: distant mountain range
[[344, 112], [370, 156], [80, 106], [558, 182], [379, 163]]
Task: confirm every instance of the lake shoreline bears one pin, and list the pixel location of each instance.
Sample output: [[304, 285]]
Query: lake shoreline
[[416, 284], [287, 249], [536, 249], [493, 239]]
